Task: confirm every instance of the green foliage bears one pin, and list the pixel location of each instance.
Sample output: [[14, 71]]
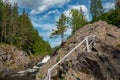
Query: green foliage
[[61, 27], [17, 30], [112, 17], [96, 8], [78, 20]]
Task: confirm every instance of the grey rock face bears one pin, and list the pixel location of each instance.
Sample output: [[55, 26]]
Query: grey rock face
[[12, 60], [102, 63]]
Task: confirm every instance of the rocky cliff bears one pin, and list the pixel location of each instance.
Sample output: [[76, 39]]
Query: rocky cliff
[[12, 60], [102, 63]]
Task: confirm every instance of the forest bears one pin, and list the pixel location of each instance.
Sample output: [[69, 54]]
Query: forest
[[18, 30]]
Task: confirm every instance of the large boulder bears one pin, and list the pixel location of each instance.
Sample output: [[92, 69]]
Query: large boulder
[[102, 63]]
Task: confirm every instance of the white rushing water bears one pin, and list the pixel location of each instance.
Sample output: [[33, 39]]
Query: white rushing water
[[45, 59], [35, 68]]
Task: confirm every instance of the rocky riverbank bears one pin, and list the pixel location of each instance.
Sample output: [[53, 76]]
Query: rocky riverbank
[[29, 73], [13, 60]]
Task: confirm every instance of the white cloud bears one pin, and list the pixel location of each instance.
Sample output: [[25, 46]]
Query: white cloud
[[83, 7], [44, 34], [67, 13], [109, 5], [68, 31], [44, 5], [38, 6], [47, 27], [55, 42], [53, 11], [38, 19], [34, 12], [12, 1]]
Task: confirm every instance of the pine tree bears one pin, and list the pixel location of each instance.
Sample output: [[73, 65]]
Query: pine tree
[[4, 23], [13, 25], [61, 28], [96, 8], [17, 30], [1, 14], [77, 20]]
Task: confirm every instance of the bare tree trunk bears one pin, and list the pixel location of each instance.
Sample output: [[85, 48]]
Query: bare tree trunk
[[1, 36], [62, 37]]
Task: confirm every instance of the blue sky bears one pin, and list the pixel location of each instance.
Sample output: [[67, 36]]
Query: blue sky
[[45, 13]]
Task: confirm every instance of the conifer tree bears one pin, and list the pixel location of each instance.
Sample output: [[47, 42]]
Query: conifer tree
[[61, 27], [17, 30], [77, 20], [1, 13], [96, 8]]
